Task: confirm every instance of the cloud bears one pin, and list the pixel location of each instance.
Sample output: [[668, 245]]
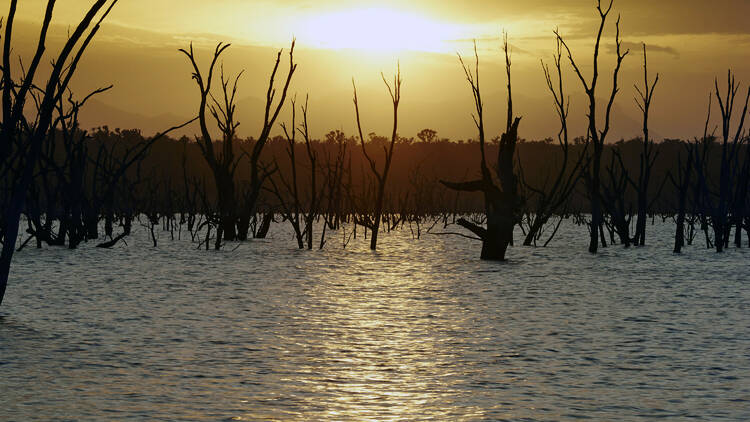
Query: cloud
[[637, 48], [639, 17], [489, 43]]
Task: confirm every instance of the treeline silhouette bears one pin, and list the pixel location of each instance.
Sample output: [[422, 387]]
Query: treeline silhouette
[[67, 185], [170, 180]]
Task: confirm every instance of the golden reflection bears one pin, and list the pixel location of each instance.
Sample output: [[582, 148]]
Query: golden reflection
[[382, 351]]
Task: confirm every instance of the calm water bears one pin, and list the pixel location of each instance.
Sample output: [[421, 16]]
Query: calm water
[[420, 330]]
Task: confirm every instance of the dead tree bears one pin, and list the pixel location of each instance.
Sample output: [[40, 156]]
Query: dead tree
[[223, 163], [614, 192], [682, 184], [111, 169], [503, 204], [729, 151], [551, 201], [316, 196], [335, 187], [740, 201], [233, 220], [381, 176], [703, 191], [648, 155], [60, 185], [289, 198], [78, 209], [258, 172], [300, 213], [21, 140], [597, 137], [716, 206]]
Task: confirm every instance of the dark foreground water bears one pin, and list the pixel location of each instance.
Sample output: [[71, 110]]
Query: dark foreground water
[[420, 330]]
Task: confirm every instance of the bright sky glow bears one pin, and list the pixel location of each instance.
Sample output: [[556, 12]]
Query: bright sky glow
[[340, 39], [378, 29]]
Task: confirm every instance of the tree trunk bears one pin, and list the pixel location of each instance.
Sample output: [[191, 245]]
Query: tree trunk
[[243, 227], [640, 225], [679, 236], [378, 216], [6, 257], [499, 232], [265, 225]]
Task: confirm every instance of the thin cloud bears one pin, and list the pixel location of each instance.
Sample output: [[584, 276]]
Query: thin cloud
[[495, 41], [637, 48]]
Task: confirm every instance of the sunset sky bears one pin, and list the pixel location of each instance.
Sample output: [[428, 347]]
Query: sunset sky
[[690, 41]]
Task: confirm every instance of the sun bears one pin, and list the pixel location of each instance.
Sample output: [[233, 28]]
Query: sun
[[377, 29]]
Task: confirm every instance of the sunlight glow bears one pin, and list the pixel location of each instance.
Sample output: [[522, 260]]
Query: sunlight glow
[[378, 29]]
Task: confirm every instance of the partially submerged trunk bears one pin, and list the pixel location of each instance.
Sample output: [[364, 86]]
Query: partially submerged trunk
[[264, 226], [503, 203], [233, 220], [502, 216], [380, 176], [16, 93], [597, 133], [683, 186]]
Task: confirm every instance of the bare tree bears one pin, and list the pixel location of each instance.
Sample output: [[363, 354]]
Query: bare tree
[[223, 164], [71, 204], [715, 207], [597, 137], [648, 155], [233, 220], [503, 203], [20, 140], [258, 172], [729, 152], [682, 183], [551, 200], [740, 202], [289, 198], [316, 193], [381, 176], [614, 194], [336, 189]]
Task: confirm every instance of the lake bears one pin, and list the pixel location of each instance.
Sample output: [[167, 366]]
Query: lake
[[419, 330]]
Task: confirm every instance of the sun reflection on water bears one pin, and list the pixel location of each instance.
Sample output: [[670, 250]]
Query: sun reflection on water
[[375, 345]]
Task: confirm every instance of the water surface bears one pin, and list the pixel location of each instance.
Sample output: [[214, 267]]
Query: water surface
[[420, 330]]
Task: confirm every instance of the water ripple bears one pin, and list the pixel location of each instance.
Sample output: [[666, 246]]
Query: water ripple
[[420, 330]]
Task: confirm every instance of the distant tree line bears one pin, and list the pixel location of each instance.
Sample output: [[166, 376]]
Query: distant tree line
[[170, 178]]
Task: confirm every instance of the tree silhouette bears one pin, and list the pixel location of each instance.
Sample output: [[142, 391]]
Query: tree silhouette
[[373, 222], [597, 137], [503, 203], [551, 198], [20, 139], [648, 156], [233, 221]]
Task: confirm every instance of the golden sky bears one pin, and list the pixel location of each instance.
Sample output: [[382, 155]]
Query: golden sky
[[691, 42]]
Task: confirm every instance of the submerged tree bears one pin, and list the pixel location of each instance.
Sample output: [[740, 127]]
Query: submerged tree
[[381, 176], [551, 198], [21, 138], [502, 203], [597, 137], [682, 184], [223, 163], [721, 208], [294, 207], [648, 155], [233, 220]]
